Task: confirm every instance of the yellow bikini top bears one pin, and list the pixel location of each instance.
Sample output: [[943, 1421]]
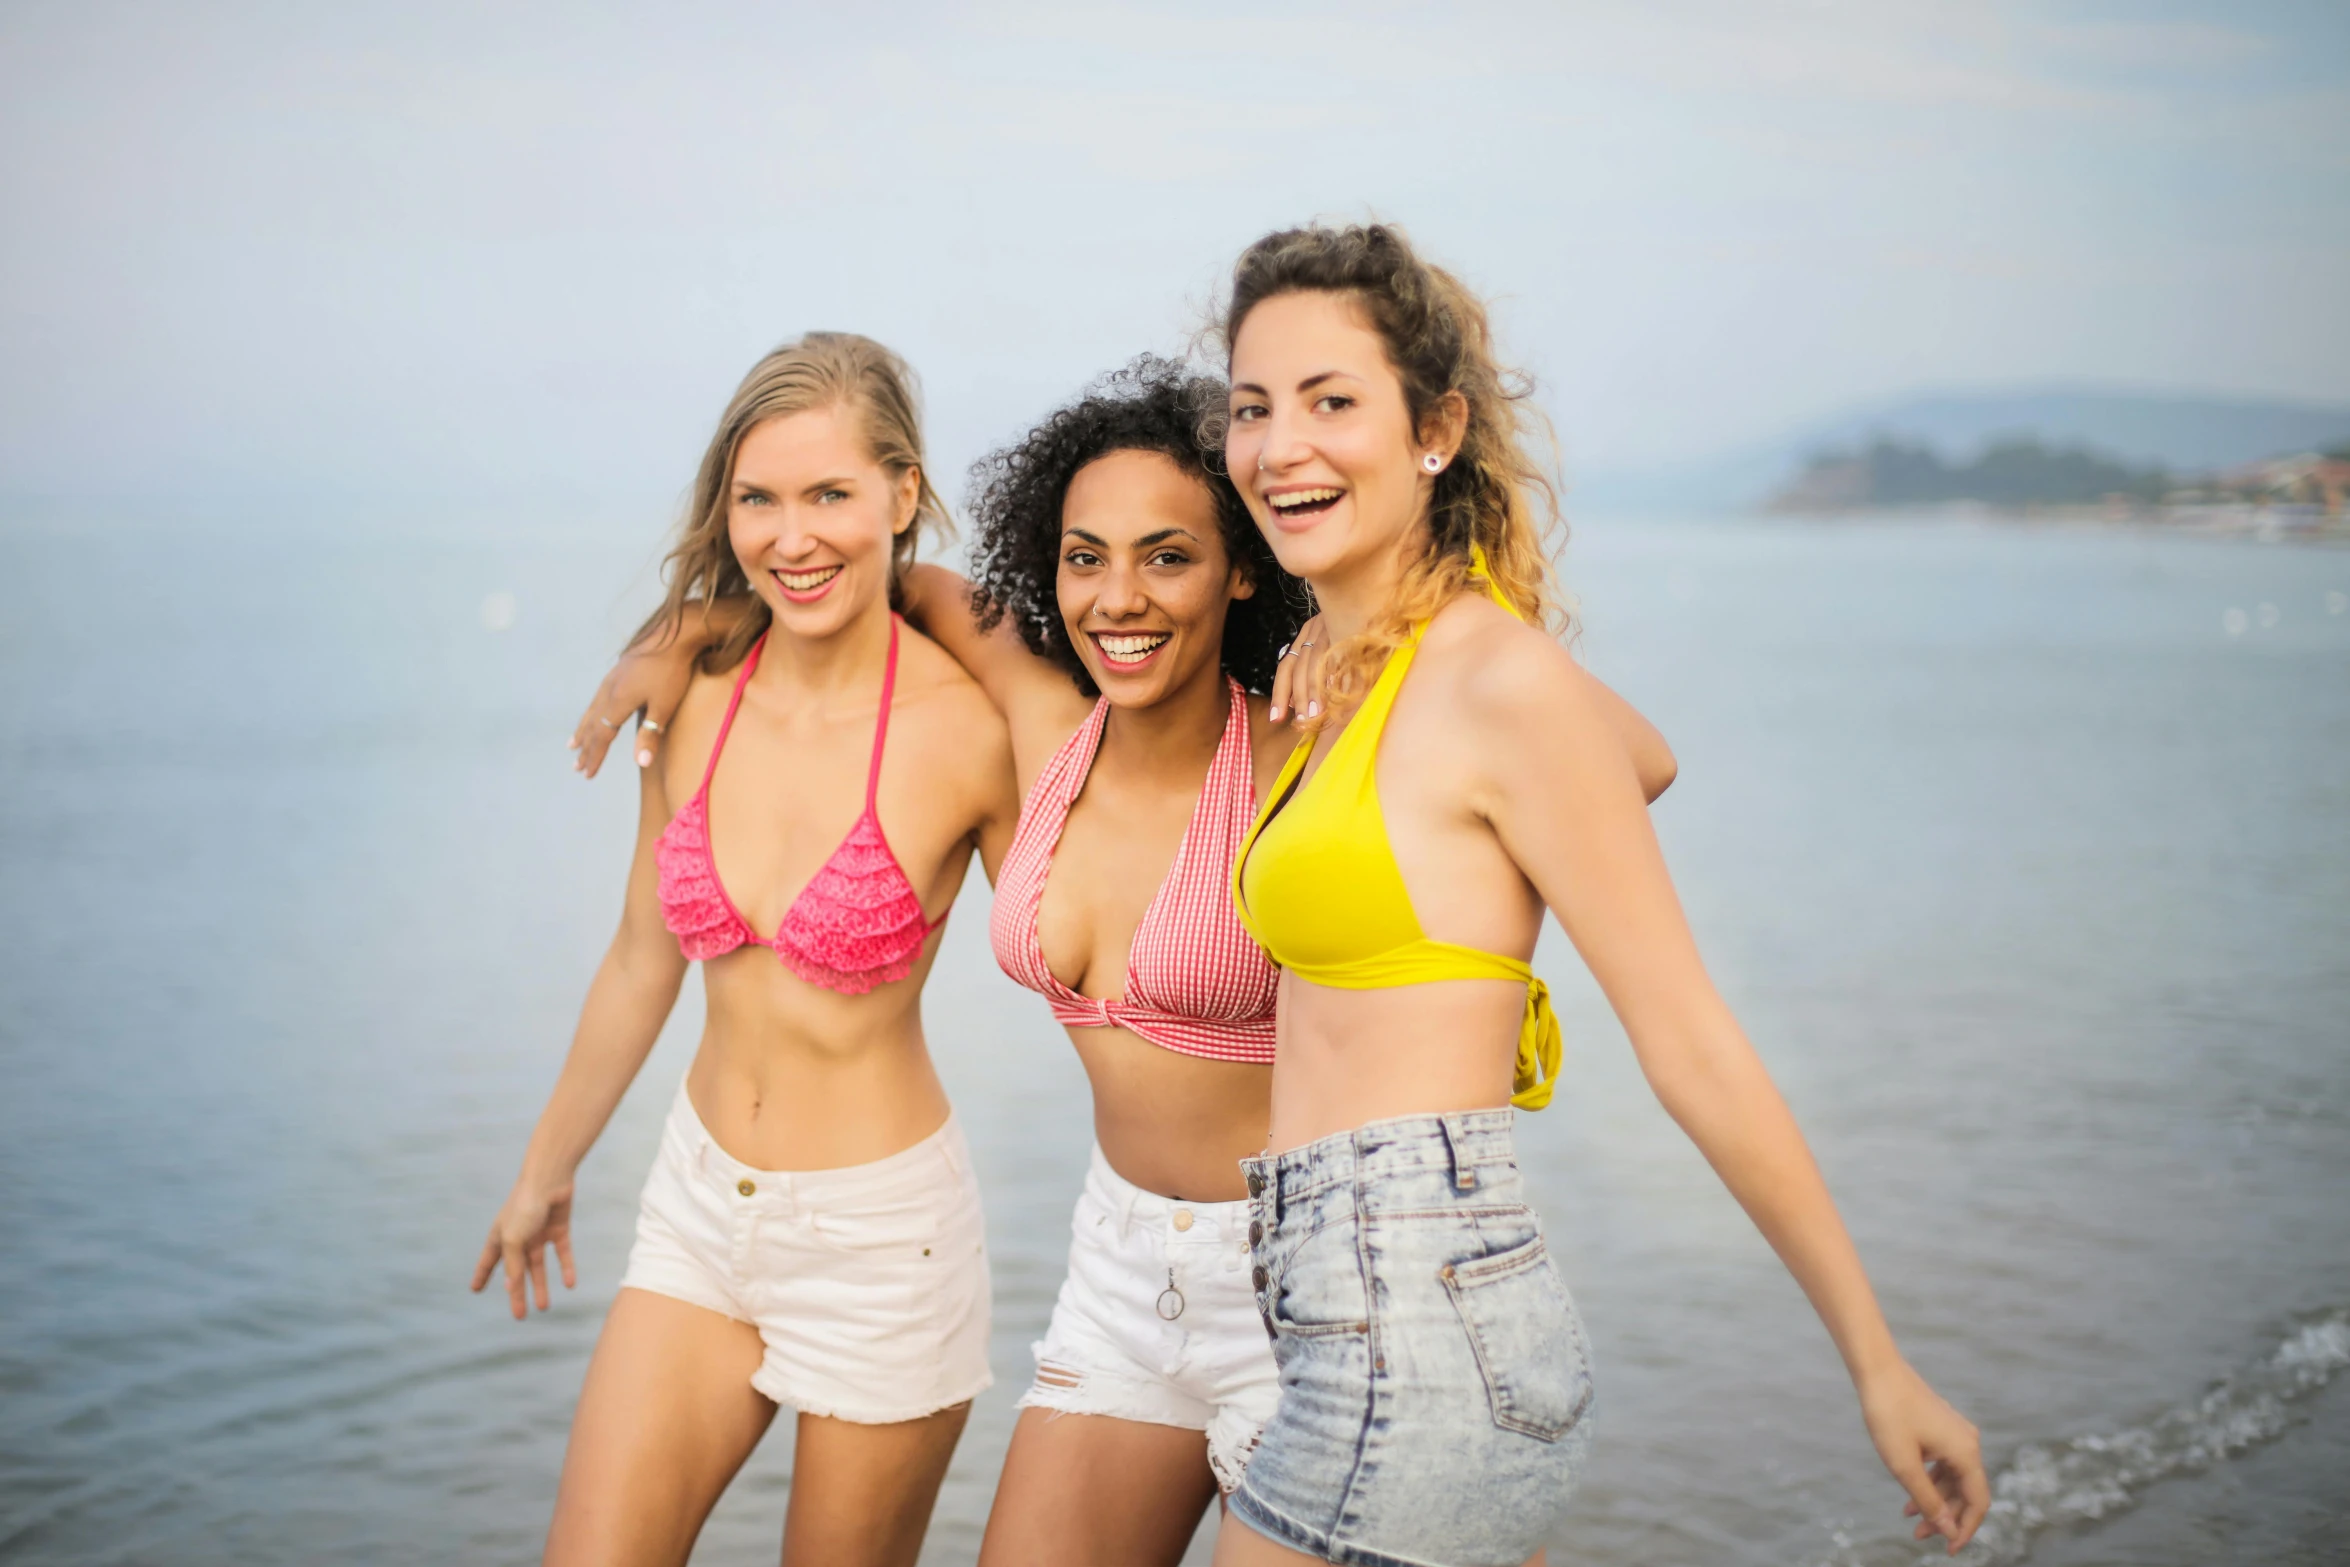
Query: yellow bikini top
[[1317, 885]]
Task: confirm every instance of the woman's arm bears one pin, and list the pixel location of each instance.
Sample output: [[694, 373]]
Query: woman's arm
[[1002, 816], [634, 988], [1297, 684], [1018, 682], [1569, 810], [651, 678], [1644, 743], [652, 675]]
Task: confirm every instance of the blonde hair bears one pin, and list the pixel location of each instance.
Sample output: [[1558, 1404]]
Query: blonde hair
[[818, 370], [1493, 498]]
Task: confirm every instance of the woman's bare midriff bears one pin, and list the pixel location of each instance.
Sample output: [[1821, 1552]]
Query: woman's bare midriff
[[1350, 1057], [791, 1076], [1173, 1124]]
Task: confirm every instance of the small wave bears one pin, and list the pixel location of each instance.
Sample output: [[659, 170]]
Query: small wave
[[2087, 1478]]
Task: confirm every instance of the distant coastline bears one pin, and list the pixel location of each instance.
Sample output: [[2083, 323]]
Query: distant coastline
[[2046, 452], [2021, 478]]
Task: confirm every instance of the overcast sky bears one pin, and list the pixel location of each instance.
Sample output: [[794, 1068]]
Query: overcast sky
[[273, 251]]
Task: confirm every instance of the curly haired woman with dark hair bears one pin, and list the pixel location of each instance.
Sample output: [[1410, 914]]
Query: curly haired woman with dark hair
[[1151, 405], [1125, 609]]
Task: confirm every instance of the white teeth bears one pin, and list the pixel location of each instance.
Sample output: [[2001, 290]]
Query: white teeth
[[1302, 498], [802, 581], [1129, 648]]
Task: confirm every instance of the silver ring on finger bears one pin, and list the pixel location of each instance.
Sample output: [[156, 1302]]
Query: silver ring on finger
[[606, 722], [1286, 650], [649, 727]]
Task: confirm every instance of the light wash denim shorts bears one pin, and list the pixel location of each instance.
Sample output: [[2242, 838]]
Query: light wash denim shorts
[[1157, 1322], [1435, 1380]]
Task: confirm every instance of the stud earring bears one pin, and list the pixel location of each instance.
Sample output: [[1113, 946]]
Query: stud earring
[[1433, 463]]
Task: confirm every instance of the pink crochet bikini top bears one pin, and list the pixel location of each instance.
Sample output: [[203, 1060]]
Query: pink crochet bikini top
[[1196, 982], [857, 923]]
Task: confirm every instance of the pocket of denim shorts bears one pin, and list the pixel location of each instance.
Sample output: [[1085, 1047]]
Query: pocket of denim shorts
[[1320, 1288], [1528, 1341]]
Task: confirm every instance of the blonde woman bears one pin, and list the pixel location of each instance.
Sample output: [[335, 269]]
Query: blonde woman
[[1434, 1377], [810, 1234]]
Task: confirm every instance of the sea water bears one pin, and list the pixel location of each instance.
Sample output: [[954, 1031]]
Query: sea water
[[2023, 857]]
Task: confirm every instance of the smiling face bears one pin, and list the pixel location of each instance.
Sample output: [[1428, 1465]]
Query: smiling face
[[1321, 441], [1144, 580], [811, 517]]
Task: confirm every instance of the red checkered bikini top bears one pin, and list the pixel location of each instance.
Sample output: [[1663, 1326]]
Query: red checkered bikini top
[[1196, 982]]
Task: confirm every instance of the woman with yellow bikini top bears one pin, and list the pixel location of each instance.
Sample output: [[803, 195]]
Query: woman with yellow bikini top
[[1338, 914], [1434, 1378]]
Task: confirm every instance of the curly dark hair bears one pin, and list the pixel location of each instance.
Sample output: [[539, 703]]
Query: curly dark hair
[[1150, 405]]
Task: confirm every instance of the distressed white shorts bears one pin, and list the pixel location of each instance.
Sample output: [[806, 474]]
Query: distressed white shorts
[[868, 1283], [1157, 1320]]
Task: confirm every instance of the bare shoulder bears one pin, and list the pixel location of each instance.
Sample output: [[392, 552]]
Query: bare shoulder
[[940, 701], [694, 727], [693, 731], [1269, 743], [1504, 677], [1045, 709], [1261, 727]]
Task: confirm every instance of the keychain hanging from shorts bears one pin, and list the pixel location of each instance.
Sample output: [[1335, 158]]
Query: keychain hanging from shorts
[[1170, 1299]]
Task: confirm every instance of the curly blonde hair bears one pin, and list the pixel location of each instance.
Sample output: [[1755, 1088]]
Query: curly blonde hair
[[1493, 497], [818, 370]]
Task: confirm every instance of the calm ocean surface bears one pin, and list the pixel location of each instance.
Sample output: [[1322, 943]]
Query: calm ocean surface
[[2029, 876]]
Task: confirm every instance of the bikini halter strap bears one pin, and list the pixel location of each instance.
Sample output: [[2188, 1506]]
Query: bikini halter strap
[[733, 702], [889, 685]]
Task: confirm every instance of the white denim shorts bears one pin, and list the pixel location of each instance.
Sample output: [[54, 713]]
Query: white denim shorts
[[1157, 1320], [868, 1283]]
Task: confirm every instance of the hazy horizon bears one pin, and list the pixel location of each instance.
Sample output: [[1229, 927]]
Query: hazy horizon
[[266, 253]]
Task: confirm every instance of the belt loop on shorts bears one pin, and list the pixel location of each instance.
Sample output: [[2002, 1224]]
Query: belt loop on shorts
[[1464, 1174]]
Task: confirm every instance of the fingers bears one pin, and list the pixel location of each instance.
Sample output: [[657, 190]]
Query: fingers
[[1926, 1497], [1306, 689], [1974, 1491], [515, 1299], [488, 1264], [1282, 683], [1297, 683], [563, 1256], [596, 729], [536, 1257], [652, 730]]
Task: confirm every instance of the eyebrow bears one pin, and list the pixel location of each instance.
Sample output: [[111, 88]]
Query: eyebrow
[[1306, 385], [842, 483], [1145, 542]]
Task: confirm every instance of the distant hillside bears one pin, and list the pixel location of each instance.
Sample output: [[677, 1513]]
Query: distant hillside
[[2181, 435], [2010, 472]]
